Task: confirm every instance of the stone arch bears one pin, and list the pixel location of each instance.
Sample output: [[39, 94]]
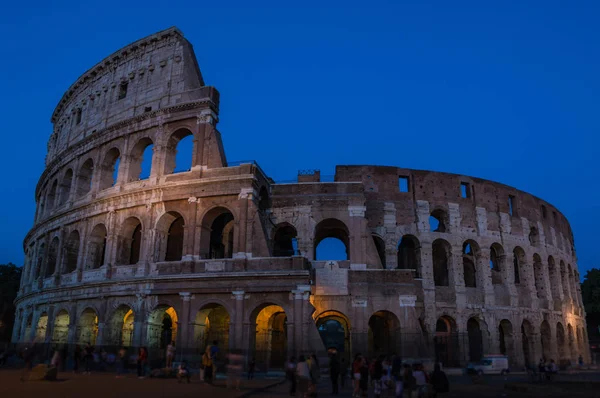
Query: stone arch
[[334, 328], [519, 261], [162, 326], [179, 151], [217, 239], [561, 342], [130, 241], [380, 247], [538, 273], [51, 199], [470, 256], [332, 228], [384, 334], [109, 168], [580, 341], [534, 237], [507, 339], [87, 327], [409, 253], [84, 178], [527, 336], [27, 332], [52, 257], [564, 280], [475, 335], [211, 323], [269, 339], [442, 255], [446, 341], [71, 252], [120, 326], [41, 255], [60, 331], [546, 340], [41, 327], [143, 148], [285, 241], [555, 281], [170, 236], [65, 187], [571, 340], [497, 265], [439, 220], [96, 247]]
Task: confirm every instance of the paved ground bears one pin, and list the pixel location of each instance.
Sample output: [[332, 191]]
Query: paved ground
[[108, 386]]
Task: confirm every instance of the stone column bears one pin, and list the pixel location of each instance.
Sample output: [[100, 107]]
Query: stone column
[[358, 246], [361, 327], [82, 251], [484, 279], [238, 318], [21, 337], [244, 198], [508, 277], [184, 321], [296, 340], [158, 158], [139, 323], [73, 320], [50, 325]]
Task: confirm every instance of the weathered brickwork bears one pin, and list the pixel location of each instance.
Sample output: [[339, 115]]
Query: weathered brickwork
[[223, 250]]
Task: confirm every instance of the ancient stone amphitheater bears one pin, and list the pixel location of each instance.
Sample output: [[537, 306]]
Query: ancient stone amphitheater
[[436, 265]]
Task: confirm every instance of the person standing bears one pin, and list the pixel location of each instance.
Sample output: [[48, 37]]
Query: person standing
[[214, 352], [208, 366], [88, 358], [290, 373], [334, 373], [356, 364], [141, 362], [364, 377], [76, 358], [303, 375], [251, 368], [439, 381], [377, 375], [170, 354]]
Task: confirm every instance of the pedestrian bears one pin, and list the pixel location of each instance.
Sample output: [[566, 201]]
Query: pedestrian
[[251, 368], [56, 359], [551, 370], [334, 373], [76, 358], [170, 354], [356, 375], [439, 381], [364, 377], [207, 364], [343, 372], [141, 362], [315, 375], [290, 374], [376, 376], [409, 383], [121, 362], [27, 354], [396, 374], [88, 353], [542, 369], [213, 352], [183, 373], [580, 362], [303, 376]]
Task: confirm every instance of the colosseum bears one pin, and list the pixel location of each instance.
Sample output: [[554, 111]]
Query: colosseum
[[436, 265]]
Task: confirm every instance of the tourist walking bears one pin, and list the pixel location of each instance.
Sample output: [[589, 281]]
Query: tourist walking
[[121, 362], [376, 376], [290, 374], [88, 358], [334, 373], [409, 382], [141, 362], [420, 380], [364, 377], [170, 354], [183, 373], [207, 365], [303, 377], [439, 381], [356, 364]]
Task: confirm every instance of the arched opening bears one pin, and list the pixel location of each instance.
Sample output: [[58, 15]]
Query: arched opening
[[534, 237], [84, 178], [527, 335], [332, 240], [545, 335], [211, 324], [538, 272], [65, 187], [505, 333], [170, 235], [334, 329], [162, 327], [52, 258], [562, 343], [28, 325], [60, 332], [179, 152], [109, 169], [384, 334], [409, 253], [554, 278], [41, 255], [51, 202], [218, 232], [87, 327], [564, 280], [120, 327], [571, 338], [438, 221], [446, 341], [71, 252], [469, 256], [496, 263], [130, 241], [41, 327], [475, 340], [96, 247], [285, 242], [442, 252], [518, 263], [140, 165], [270, 337], [380, 247]]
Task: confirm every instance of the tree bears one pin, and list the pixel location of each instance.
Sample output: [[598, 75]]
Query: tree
[[590, 294], [10, 277]]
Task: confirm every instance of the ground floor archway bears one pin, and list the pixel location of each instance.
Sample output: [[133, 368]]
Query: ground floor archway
[[334, 329], [40, 328], [87, 327], [446, 342], [475, 340], [384, 334], [270, 336], [60, 333], [162, 327], [119, 330], [212, 323], [527, 334], [506, 336]]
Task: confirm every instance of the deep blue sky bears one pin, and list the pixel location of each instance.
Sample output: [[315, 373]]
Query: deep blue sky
[[507, 91]]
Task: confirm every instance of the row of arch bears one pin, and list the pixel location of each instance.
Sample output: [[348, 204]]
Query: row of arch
[[74, 184]]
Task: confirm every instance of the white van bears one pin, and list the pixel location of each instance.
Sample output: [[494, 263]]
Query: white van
[[490, 364]]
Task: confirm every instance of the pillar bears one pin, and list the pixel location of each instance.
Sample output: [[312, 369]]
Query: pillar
[[238, 317], [183, 334], [241, 225], [358, 241]]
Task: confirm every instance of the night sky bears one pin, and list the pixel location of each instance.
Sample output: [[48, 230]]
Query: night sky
[[506, 90]]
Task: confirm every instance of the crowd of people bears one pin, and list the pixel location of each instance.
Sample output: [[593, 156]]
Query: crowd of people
[[385, 375]]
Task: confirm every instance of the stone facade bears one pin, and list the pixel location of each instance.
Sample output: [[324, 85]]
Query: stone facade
[[437, 264]]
